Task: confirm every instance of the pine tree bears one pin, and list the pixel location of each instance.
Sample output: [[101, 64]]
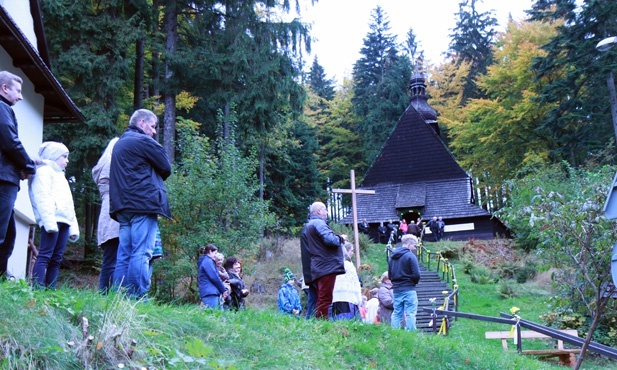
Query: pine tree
[[319, 83], [90, 47], [472, 41], [381, 77], [580, 119]]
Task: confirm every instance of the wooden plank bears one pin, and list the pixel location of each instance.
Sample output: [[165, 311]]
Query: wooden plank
[[530, 334], [497, 334], [524, 334], [553, 352]]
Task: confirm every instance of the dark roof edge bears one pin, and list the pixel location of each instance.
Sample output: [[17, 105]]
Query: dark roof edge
[[39, 31], [38, 71]]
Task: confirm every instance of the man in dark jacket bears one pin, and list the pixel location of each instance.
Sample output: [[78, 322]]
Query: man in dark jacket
[[434, 227], [15, 164], [413, 229], [404, 272], [305, 254], [326, 257], [137, 195]]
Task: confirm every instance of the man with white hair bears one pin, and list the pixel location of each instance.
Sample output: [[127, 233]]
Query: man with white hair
[[404, 273], [15, 165], [323, 252], [137, 195]]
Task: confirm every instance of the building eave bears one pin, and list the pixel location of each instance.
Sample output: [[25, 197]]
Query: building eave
[[58, 106]]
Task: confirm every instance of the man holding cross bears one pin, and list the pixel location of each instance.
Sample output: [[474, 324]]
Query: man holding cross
[[326, 257]]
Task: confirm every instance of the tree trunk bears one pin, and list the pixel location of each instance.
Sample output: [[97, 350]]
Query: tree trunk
[[139, 72], [601, 303], [610, 81], [262, 160], [226, 132], [90, 227], [169, 117]]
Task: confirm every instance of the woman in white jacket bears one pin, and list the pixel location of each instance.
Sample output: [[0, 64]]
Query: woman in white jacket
[[347, 293], [52, 203]]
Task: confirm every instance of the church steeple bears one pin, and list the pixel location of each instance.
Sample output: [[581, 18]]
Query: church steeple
[[417, 88]]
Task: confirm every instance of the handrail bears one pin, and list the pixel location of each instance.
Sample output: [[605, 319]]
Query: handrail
[[448, 274], [389, 248], [519, 323]]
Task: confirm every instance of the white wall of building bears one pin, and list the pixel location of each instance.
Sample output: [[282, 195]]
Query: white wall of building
[[20, 12]]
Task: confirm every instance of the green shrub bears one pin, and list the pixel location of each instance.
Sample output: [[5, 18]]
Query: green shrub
[[450, 249], [468, 263], [506, 290], [213, 202], [525, 273], [482, 275], [508, 269]]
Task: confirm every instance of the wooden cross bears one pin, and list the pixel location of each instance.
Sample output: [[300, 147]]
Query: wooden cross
[[354, 210]]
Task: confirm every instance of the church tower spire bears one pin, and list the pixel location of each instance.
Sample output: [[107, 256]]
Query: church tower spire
[[417, 88]]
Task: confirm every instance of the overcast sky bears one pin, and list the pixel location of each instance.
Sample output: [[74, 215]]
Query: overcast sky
[[339, 26]]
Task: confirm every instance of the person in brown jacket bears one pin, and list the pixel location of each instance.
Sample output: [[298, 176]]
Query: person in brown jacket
[[386, 299]]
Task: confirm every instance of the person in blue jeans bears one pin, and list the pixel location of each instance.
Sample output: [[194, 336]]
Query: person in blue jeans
[[404, 273], [15, 165], [108, 230], [137, 195]]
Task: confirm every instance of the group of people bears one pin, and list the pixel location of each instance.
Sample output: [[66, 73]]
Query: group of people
[[220, 280], [48, 188], [391, 228], [333, 287], [437, 227], [129, 176]]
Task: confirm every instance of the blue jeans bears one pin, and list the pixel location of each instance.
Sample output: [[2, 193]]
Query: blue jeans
[[47, 265], [311, 300], [108, 266], [137, 234], [406, 302], [211, 301], [8, 194]]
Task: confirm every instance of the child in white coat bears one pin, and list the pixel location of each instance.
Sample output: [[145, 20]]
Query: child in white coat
[[52, 203]]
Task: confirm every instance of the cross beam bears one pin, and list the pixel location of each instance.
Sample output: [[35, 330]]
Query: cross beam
[[354, 210]]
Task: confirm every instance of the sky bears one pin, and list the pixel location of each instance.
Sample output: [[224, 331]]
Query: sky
[[340, 26]]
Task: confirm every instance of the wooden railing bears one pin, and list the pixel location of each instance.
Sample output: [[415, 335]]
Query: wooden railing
[[447, 273]]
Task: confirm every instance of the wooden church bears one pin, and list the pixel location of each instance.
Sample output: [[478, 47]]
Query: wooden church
[[415, 175]]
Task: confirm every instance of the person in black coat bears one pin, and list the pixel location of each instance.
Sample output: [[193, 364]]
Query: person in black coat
[[326, 256], [382, 233], [238, 287], [137, 195], [15, 165], [434, 227]]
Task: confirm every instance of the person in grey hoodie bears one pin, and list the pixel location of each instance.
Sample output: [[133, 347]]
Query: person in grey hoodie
[[404, 272]]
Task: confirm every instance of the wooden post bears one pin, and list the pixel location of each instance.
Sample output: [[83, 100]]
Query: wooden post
[[354, 210]]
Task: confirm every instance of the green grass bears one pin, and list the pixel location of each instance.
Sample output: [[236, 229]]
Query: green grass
[[38, 327]]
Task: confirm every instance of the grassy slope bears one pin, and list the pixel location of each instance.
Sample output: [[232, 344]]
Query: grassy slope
[[37, 327]]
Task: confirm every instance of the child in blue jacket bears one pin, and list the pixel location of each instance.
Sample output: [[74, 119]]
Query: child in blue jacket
[[288, 297]]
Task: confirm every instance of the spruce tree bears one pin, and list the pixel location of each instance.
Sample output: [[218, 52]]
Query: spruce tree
[[90, 46], [381, 77], [472, 41], [319, 83], [581, 120]]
